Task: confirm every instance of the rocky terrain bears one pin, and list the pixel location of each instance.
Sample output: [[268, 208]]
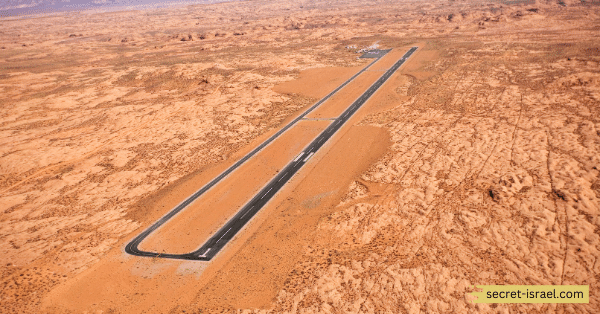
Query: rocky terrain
[[492, 174]]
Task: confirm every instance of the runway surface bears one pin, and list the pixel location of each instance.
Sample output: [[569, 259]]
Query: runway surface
[[211, 247]]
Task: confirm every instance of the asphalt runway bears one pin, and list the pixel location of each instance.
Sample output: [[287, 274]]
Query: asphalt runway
[[216, 243]]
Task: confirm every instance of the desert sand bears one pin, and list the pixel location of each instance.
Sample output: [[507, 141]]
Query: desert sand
[[477, 163]]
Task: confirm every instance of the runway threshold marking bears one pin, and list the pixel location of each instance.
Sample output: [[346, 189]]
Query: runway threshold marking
[[302, 153], [236, 223]]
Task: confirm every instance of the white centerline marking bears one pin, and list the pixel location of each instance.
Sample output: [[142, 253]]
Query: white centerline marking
[[302, 153], [266, 193], [223, 235], [307, 157], [247, 212], [283, 176]]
